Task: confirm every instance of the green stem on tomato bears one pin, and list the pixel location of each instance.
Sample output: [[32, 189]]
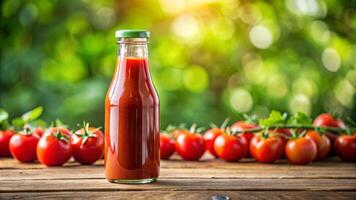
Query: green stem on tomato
[[225, 123], [299, 126]]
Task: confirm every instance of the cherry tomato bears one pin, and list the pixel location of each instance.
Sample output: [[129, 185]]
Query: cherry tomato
[[284, 134], [5, 137], [230, 147], [178, 132], [345, 147], [209, 137], [87, 145], [54, 148], [328, 120], [167, 146], [39, 131], [266, 150], [244, 126], [301, 151], [322, 143], [190, 146], [62, 130], [23, 147]]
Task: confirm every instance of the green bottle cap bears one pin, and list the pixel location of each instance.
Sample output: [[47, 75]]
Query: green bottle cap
[[134, 33]]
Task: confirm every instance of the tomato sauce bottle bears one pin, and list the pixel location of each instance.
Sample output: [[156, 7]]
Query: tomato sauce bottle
[[132, 114]]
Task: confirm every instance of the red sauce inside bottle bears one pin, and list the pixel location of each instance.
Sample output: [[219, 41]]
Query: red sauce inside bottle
[[132, 123]]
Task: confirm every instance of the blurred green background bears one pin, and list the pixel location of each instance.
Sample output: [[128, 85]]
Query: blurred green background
[[210, 59]]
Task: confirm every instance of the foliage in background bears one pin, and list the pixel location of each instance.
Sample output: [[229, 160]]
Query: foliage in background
[[209, 58]]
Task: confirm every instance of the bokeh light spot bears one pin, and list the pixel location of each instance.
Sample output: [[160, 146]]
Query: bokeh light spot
[[28, 14], [170, 6], [300, 103], [241, 100], [320, 32], [305, 86], [69, 69], [171, 79], [331, 59], [277, 86], [104, 18], [9, 7], [351, 77], [186, 27], [195, 79], [307, 7], [344, 93], [261, 37], [253, 68]]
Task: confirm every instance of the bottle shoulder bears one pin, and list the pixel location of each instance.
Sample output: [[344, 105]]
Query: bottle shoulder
[[129, 97]]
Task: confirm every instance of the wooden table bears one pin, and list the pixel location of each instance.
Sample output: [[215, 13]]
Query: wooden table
[[183, 180]]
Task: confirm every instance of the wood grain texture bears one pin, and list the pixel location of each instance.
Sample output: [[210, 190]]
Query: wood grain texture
[[192, 195], [179, 179], [181, 185], [332, 169], [97, 172]]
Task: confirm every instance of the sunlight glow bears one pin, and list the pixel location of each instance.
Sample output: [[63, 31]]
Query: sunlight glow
[[186, 27], [175, 6]]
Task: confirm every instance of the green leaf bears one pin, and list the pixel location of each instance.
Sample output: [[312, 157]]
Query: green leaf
[[274, 118], [32, 114], [39, 122], [300, 118], [3, 115], [18, 123]]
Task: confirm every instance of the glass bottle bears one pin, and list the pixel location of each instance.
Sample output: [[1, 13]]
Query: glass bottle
[[132, 114]]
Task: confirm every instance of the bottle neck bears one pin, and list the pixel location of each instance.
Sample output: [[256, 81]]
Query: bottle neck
[[133, 47], [133, 61]]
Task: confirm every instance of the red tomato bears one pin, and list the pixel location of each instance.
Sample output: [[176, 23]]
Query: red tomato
[[209, 138], [5, 137], [190, 146], [243, 126], [230, 147], [284, 134], [87, 145], [62, 130], [178, 132], [266, 150], [345, 147], [322, 143], [328, 120], [39, 131], [167, 146], [53, 148], [23, 147], [301, 151]]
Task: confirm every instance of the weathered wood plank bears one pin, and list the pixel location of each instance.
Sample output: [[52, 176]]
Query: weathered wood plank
[[8, 163], [97, 172], [192, 195], [181, 185]]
